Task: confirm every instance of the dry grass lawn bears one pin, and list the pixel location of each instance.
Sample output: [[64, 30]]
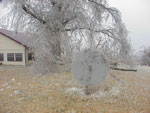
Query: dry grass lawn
[[23, 92]]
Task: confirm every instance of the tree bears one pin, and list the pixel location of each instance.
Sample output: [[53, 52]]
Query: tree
[[68, 25], [145, 59]]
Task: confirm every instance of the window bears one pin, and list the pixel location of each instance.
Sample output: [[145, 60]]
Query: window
[[10, 57], [1, 57], [30, 56], [18, 56], [14, 56]]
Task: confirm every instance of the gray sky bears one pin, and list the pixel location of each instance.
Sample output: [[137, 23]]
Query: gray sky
[[136, 16]]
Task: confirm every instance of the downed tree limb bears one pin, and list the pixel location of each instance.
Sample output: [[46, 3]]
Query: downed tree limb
[[123, 69]]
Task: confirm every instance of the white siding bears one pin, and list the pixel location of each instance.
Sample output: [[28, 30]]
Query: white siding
[[9, 46]]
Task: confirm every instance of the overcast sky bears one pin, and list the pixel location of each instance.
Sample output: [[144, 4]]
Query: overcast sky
[[136, 16]]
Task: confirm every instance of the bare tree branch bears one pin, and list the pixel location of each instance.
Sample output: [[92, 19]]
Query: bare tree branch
[[110, 10], [105, 31], [26, 9], [104, 7], [98, 43]]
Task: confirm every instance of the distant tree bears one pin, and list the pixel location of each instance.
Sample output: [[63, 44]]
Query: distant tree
[[145, 59], [55, 26]]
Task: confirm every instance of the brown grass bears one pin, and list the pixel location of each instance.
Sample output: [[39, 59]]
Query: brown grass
[[22, 92]]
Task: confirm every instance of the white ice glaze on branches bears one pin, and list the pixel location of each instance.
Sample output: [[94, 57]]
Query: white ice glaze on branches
[[67, 26]]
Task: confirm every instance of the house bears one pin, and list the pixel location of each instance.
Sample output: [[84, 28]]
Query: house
[[13, 50]]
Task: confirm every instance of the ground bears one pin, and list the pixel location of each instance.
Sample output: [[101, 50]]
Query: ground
[[122, 92]]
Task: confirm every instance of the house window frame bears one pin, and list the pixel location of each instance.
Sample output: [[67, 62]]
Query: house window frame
[[14, 57], [17, 56], [1, 54], [30, 56]]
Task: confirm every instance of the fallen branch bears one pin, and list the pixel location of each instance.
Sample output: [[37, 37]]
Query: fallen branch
[[124, 69]]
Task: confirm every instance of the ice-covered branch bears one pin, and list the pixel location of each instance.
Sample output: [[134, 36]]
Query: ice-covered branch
[[26, 8]]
